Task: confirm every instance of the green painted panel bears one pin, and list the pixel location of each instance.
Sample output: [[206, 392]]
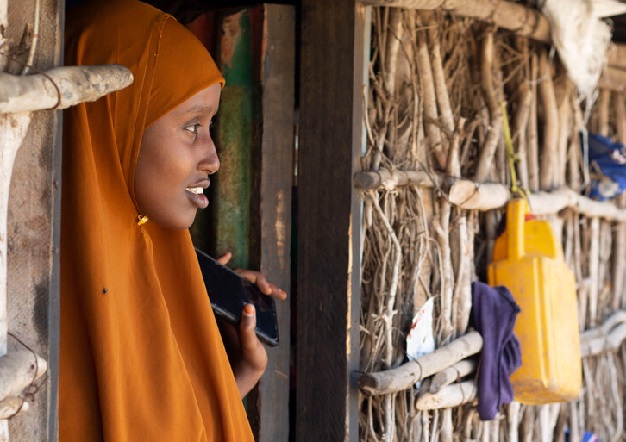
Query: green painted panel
[[226, 225]]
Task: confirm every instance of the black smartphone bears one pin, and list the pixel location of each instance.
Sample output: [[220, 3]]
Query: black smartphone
[[229, 293]]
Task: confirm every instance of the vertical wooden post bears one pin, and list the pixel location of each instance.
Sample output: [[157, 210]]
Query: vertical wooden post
[[276, 173], [13, 128], [4, 205], [334, 41], [233, 198]]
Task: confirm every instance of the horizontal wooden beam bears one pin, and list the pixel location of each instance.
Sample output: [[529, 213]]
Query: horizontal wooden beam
[[61, 87], [617, 55], [450, 396], [607, 337], [466, 194], [452, 374], [504, 14], [449, 363], [18, 370], [11, 405], [392, 179], [469, 195], [613, 78], [406, 375]]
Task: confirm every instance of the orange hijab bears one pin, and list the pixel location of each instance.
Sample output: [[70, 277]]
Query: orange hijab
[[141, 356]]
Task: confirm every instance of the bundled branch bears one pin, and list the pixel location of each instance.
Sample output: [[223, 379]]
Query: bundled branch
[[607, 337], [406, 375], [449, 397], [18, 370], [61, 87], [508, 15], [453, 373], [467, 194]]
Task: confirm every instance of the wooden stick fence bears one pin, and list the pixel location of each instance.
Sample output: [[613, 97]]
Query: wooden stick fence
[[423, 173], [467, 194], [451, 363], [515, 17], [520, 19]]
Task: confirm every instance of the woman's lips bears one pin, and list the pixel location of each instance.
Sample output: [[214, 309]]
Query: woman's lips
[[199, 199], [196, 194]]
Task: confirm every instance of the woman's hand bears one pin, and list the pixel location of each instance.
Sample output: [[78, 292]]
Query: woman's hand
[[246, 353], [257, 278]]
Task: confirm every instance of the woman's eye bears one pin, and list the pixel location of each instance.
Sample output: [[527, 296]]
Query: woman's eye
[[194, 129]]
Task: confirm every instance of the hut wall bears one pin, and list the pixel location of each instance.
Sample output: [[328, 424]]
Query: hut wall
[[440, 91], [32, 239]]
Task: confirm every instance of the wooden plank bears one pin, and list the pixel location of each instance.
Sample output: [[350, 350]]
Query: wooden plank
[[33, 226], [361, 66], [505, 14], [5, 178], [278, 89], [328, 273], [233, 224]]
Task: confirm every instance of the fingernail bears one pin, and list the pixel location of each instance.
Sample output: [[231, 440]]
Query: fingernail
[[249, 310]]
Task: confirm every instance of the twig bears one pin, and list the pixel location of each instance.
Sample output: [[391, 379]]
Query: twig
[[549, 148], [495, 114], [449, 397], [406, 375], [533, 145], [453, 373], [429, 99]]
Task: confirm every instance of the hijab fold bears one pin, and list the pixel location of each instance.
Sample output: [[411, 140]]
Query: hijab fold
[[141, 356]]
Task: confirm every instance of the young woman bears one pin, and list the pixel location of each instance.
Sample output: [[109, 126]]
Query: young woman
[[141, 356]]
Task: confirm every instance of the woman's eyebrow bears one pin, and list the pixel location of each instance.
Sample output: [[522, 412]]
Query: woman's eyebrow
[[198, 109]]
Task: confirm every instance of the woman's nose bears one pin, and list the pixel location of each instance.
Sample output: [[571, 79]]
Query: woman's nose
[[210, 163]]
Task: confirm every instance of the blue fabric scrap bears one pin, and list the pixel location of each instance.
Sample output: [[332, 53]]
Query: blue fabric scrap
[[608, 167], [494, 312]]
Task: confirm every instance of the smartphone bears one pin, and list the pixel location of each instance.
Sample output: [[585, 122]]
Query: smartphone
[[229, 293]]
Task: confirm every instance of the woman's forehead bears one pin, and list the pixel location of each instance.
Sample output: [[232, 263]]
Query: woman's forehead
[[204, 102]]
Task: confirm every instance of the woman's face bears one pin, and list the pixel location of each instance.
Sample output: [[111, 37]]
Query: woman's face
[[177, 156]]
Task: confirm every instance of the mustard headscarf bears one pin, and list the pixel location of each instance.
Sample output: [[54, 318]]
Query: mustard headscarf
[[141, 356]]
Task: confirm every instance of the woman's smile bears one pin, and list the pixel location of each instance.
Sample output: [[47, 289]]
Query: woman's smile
[[197, 196]]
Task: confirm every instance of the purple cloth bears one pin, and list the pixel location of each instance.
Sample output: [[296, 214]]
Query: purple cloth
[[493, 315]]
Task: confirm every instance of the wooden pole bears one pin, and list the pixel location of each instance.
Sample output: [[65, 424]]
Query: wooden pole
[[276, 174], [533, 140], [489, 66], [13, 128], [431, 113], [60, 88], [404, 376], [549, 147], [18, 370], [523, 20], [392, 179], [467, 194], [452, 374], [334, 34], [449, 397], [619, 262], [6, 167]]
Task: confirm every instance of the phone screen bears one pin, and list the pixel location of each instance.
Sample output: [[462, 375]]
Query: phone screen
[[229, 293]]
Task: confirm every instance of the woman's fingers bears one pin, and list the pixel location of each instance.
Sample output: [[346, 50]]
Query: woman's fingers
[[277, 292], [262, 283], [223, 260], [256, 278], [253, 352]]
